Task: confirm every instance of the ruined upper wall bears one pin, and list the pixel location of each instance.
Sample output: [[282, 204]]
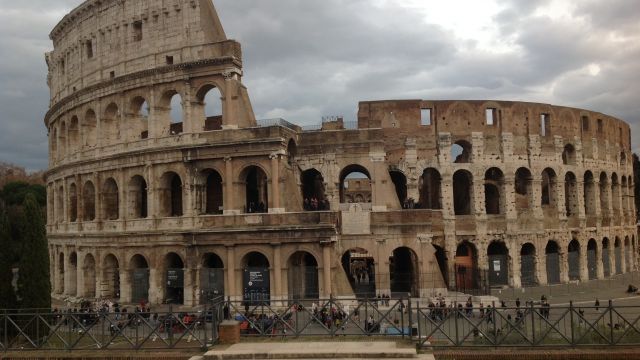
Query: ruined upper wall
[[104, 39]]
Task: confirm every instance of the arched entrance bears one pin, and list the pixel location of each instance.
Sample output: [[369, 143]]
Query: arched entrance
[[140, 279], [574, 260], [111, 277], [211, 278], [552, 254], [498, 256], [592, 256], [355, 185], [255, 278], [174, 279], [430, 189], [462, 192], [606, 257], [493, 191], [359, 266], [138, 200], [73, 274], [618, 254], [256, 190], [627, 254], [443, 263], [61, 273], [89, 269], [214, 201], [170, 194], [303, 276], [528, 265], [404, 272], [313, 195], [466, 267]]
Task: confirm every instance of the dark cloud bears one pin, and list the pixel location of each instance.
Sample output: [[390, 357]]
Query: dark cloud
[[306, 59]]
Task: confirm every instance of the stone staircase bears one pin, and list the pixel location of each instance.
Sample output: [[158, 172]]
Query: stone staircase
[[313, 350]]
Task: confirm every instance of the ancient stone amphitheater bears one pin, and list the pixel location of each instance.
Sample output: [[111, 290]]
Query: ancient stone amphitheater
[[162, 185]]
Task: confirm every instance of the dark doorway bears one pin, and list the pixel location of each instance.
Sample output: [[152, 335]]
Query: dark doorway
[[498, 256], [214, 198], [618, 254], [359, 267], [443, 264], [400, 183], [574, 260], [313, 191], [174, 291], [430, 190], [211, 278], [255, 280], [592, 257], [466, 267], [528, 265], [140, 279], [462, 192], [256, 190], [606, 257], [552, 253], [404, 272], [303, 276]]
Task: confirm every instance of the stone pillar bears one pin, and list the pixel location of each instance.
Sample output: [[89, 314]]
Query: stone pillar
[[541, 266], [80, 271], [584, 261], [535, 200], [152, 199], [599, 264], [231, 273], [510, 198], [380, 171], [275, 200], [189, 192], [450, 253], [126, 275], [229, 193], [326, 270], [156, 285], [478, 200], [188, 121], [560, 198], [564, 263], [277, 272], [581, 202], [515, 273], [597, 205], [190, 288], [448, 211], [623, 257]]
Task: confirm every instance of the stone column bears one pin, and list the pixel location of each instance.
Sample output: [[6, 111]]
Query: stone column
[[623, 257], [156, 285], [515, 273], [274, 207], [80, 271], [231, 273], [478, 201], [535, 200], [152, 199], [584, 262], [581, 202], [277, 272], [326, 270], [541, 266], [599, 264], [229, 188], [125, 285], [190, 287], [597, 205], [564, 263]]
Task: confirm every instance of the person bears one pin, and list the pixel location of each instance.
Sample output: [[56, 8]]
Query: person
[[597, 304], [632, 289], [517, 302]]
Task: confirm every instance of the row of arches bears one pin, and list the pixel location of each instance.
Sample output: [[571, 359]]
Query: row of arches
[[136, 118]]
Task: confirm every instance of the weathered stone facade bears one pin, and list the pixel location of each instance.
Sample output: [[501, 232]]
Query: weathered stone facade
[[144, 206]]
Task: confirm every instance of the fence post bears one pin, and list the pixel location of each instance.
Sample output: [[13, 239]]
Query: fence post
[[610, 309], [6, 344], [402, 317], [455, 320], [494, 321], [410, 318], [533, 323], [418, 318], [572, 325], [333, 320]]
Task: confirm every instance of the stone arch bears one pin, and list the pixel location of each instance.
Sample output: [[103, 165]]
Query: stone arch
[[528, 265], [615, 195], [110, 200], [431, 189], [623, 158], [573, 256], [74, 134], [462, 192], [212, 192], [109, 124], [170, 192], [400, 184], [61, 273], [256, 189], [466, 266], [62, 140], [461, 152], [604, 197], [552, 255], [292, 152], [89, 270], [592, 256], [256, 270], [73, 203], [302, 276], [138, 198], [571, 194], [89, 201], [606, 257], [170, 112], [209, 107], [111, 277], [90, 128], [404, 272], [569, 155], [623, 193], [627, 255], [211, 277], [498, 255], [139, 112], [494, 195], [313, 188], [360, 268], [549, 186], [617, 248], [355, 179], [523, 189], [140, 274], [589, 194], [60, 204], [174, 278]]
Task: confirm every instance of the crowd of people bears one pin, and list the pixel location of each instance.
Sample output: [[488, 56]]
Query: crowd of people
[[314, 204]]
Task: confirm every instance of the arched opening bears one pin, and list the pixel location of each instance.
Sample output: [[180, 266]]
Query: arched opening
[[256, 190], [213, 194], [176, 115], [400, 184], [109, 124], [209, 108], [61, 262], [461, 152], [138, 201], [211, 278], [528, 265], [89, 129], [355, 185], [255, 278], [462, 192], [627, 255], [53, 140], [592, 256], [604, 198], [74, 135], [523, 189], [552, 255], [72, 272], [623, 159], [73, 203], [606, 257], [549, 180], [313, 191], [617, 248], [62, 141], [615, 196], [589, 194], [574, 260], [140, 279], [404, 272], [623, 192], [174, 271], [111, 277], [466, 267], [493, 191], [60, 204], [430, 189], [89, 201], [569, 155], [139, 123], [89, 269], [292, 152], [571, 195], [360, 268], [443, 263], [303, 276], [170, 193], [110, 200], [498, 256]]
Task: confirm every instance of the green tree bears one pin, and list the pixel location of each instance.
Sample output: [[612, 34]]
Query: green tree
[[14, 193], [34, 285], [7, 256]]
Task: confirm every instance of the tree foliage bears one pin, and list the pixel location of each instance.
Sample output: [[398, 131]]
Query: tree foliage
[[7, 256], [14, 193], [34, 285]]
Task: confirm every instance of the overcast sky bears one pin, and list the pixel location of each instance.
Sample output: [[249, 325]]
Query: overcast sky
[[306, 59]]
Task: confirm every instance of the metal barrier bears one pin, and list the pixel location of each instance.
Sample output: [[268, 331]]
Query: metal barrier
[[90, 330]]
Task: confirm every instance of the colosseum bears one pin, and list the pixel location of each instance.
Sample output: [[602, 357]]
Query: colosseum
[[163, 186]]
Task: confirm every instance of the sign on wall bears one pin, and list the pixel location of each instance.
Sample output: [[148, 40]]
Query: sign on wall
[[256, 285]]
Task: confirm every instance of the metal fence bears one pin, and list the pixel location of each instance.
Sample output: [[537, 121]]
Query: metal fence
[[89, 330]]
